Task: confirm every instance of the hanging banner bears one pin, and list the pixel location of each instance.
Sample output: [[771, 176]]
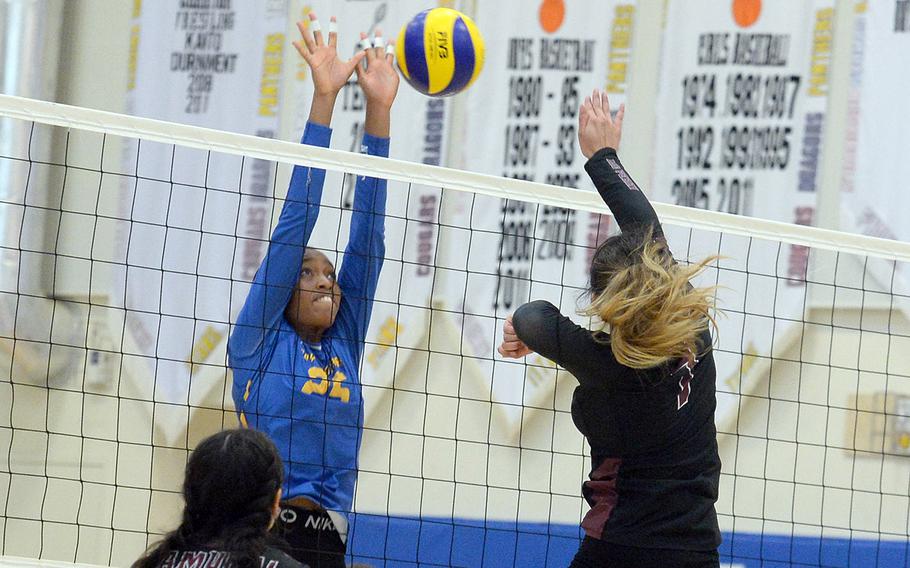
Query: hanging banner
[[543, 59], [214, 63], [741, 107], [873, 195]]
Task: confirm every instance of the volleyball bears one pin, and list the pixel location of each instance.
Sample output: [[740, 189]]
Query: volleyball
[[440, 52]]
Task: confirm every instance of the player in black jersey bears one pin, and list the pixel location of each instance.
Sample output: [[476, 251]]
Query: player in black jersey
[[232, 492], [645, 400]]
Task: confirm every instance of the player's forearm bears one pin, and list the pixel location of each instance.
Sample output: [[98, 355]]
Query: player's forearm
[[368, 220], [365, 252], [536, 325], [277, 275], [622, 195], [269, 294], [305, 190]]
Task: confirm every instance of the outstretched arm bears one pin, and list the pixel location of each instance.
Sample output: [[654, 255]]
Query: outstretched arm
[[539, 327], [280, 269], [599, 135], [363, 257]]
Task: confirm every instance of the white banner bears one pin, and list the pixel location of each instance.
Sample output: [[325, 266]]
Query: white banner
[[742, 86], [211, 63], [873, 189], [542, 60], [741, 113]]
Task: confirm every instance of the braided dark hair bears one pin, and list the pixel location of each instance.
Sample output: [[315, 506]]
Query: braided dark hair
[[230, 485]]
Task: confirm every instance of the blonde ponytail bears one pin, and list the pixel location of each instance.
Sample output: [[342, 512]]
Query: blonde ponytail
[[653, 313]]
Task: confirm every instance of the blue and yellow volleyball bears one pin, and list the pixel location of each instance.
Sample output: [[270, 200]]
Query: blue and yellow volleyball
[[440, 52]]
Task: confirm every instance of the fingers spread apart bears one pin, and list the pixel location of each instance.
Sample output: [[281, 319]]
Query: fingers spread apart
[[378, 43], [307, 46], [597, 104], [375, 47], [333, 32], [316, 28]]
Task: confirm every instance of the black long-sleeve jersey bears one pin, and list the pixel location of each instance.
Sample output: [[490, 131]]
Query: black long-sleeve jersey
[[655, 466], [207, 558]]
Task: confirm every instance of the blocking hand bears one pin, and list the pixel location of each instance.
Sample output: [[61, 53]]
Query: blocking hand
[[597, 128], [329, 72], [379, 81]]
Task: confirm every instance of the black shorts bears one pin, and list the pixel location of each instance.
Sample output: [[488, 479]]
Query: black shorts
[[310, 537], [595, 553]]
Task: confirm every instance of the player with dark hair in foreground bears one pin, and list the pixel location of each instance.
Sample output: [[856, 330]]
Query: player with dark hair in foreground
[[645, 400], [232, 489], [297, 345]]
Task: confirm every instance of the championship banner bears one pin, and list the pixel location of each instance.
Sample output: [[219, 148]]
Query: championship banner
[[741, 106], [214, 63], [543, 59], [739, 130], [874, 199]]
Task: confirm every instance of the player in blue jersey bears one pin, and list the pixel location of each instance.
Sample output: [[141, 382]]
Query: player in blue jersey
[[298, 342]]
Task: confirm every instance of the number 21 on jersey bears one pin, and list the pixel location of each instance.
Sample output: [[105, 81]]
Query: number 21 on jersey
[[319, 384]]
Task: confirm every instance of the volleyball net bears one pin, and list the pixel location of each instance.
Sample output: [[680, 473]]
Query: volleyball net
[[128, 247]]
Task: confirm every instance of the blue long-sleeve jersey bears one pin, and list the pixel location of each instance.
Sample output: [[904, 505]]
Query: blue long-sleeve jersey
[[308, 397]]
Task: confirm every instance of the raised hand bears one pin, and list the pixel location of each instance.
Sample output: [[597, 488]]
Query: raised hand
[[329, 72], [596, 127], [379, 81], [512, 347]]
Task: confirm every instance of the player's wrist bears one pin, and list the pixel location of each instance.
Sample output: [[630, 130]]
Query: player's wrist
[[378, 121], [322, 109], [326, 96], [379, 105]]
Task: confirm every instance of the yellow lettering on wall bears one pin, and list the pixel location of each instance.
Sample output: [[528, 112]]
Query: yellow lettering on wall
[[822, 39], [749, 358], [204, 346], [387, 337], [133, 58], [271, 74], [540, 370], [620, 48]]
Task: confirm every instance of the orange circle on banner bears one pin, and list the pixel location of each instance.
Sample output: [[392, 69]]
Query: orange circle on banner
[[551, 14], [746, 12]]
